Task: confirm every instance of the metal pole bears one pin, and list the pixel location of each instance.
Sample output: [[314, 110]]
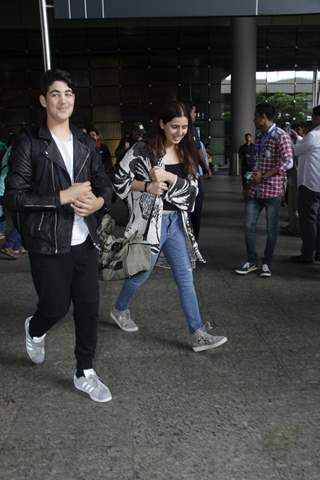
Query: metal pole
[[45, 35], [315, 87]]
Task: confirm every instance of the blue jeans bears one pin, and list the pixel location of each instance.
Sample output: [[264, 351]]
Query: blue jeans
[[2, 217], [173, 245], [253, 210]]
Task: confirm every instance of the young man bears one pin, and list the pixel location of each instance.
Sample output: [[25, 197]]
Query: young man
[[274, 156], [55, 185]]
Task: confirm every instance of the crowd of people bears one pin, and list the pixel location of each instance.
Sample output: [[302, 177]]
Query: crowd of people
[[58, 181]]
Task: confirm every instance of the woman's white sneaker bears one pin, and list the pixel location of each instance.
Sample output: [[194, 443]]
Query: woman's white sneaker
[[35, 346], [201, 340], [91, 384], [123, 320]]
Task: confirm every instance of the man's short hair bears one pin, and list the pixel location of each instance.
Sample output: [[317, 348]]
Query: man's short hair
[[267, 109], [316, 111], [51, 76]]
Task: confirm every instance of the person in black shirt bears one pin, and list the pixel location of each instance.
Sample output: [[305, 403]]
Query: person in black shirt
[[137, 134], [247, 153], [103, 150], [195, 216]]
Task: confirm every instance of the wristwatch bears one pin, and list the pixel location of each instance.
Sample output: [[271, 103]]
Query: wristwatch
[[146, 186]]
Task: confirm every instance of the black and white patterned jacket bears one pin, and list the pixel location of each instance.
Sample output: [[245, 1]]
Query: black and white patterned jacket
[[136, 165]]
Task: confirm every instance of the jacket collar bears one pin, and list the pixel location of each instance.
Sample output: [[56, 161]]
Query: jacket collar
[[50, 150]]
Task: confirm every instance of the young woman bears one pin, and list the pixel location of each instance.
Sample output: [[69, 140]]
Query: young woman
[[158, 178]]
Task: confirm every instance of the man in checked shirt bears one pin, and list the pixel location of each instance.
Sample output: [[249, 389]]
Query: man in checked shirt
[[274, 156]]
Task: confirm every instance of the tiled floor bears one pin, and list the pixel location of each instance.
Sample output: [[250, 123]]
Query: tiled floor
[[248, 411]]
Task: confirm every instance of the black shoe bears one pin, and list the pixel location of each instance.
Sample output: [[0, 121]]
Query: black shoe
[[300, 259], [288, 232], [317, 258]]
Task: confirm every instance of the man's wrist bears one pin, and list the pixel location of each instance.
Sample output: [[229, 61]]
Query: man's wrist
[[62, 197], [100, 202]]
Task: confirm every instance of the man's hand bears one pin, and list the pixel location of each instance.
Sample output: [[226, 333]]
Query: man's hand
[[157, 188], [70, 195], [87, 204], [256, 178]]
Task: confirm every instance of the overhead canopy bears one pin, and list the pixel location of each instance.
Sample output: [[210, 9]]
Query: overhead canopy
[[82, 9]]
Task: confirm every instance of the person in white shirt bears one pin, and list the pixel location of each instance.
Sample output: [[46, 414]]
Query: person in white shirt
[[307, 149]]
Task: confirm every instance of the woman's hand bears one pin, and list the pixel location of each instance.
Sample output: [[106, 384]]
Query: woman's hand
[[157, 188], [158, 174]]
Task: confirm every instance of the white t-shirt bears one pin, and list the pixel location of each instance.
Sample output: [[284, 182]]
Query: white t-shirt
[[307, 149], [79, 230]]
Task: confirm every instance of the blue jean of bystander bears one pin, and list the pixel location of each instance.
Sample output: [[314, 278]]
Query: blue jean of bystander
[[253, 210]]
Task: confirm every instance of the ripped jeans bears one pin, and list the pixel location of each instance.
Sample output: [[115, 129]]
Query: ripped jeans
[[174, 248]]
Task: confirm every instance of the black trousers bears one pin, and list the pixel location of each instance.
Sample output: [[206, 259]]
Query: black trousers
[[195, 216], [308, 206], [60, 279]]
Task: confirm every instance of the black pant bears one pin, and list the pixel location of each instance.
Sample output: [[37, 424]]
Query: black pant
[[60, 279], [308, 205], [196, 214]]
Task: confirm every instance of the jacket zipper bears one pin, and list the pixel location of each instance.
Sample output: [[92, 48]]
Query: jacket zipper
[[40, 224], [81, 167], [55, 213]]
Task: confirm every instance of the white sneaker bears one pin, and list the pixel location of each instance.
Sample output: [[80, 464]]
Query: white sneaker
[[246, 268], [35, 346], [201, 340], [91, 384], [265, 271], [123, 320]]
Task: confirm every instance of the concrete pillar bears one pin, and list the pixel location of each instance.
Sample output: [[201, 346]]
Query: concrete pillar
[[243, 83]]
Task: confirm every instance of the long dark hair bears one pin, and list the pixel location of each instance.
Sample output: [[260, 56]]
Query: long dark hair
[[157, 141]]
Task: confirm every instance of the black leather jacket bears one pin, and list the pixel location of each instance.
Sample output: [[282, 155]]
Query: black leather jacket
[[36, 175]]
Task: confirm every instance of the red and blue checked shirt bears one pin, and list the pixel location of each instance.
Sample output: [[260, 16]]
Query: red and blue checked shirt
[[273, 150]]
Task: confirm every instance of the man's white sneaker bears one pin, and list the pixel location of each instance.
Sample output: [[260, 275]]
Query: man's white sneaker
[[201, 340], [246, 268], [123, 320], [91, 384], [35, 346], [265, 270]]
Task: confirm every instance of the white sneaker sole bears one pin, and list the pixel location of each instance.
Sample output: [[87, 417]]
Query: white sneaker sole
[[132, 329], [241, 272], [209, 347], [107, 399], [265, 275]]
